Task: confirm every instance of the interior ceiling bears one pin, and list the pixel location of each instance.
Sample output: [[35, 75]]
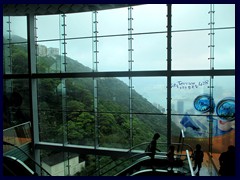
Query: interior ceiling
[[44, 9]]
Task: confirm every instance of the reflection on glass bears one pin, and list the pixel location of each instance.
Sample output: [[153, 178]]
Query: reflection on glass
[[16, 108], [203, 102], [226, 109]]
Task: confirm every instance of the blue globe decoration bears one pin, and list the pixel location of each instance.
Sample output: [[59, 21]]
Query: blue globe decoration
[[203, 102], [226, 109]]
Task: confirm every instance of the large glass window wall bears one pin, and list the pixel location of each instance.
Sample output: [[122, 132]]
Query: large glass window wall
[[102, 78]]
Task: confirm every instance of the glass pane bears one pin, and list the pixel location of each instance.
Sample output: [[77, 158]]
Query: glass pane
[[79, 53], [79, 24], [16, 27], [224, 15], [190, 16], [190, 50], [79, 111], [66, 110], [152, 20], [50, 110], [47, 27], [15, 58], [78, 57], [113, 54], [151, 90], [113, 118], [191, 101], [224, 49], [150, 52], [114, 21], [48, 59], [149, 105]]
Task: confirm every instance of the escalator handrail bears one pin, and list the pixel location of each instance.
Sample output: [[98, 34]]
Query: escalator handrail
[[95, 171], [10, 144], [190, 163], [133, 156], [122, 156]]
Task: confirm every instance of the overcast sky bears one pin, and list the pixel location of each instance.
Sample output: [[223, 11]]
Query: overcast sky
[[189, 49]]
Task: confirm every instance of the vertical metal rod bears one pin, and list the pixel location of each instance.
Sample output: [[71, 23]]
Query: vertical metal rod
[[211, 59], [169, 67], [130, 61], [95, 83], [63, 69], [8, 58]]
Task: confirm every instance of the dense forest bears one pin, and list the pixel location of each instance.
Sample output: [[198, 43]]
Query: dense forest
[[71, 114]]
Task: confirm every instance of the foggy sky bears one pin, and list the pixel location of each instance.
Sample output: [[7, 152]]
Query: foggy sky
[[189, 49]]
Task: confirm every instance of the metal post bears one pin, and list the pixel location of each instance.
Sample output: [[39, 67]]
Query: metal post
[[95, 83], [169, 66], [32, 51], [8, 84], [130, 61], [211, 59], [63, 69]]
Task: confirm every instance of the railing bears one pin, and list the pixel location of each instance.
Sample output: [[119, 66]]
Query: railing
[[190, 163], [131, 154], [17, 135]]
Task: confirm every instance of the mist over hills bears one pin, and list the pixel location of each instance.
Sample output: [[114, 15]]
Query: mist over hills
[[113, 101]]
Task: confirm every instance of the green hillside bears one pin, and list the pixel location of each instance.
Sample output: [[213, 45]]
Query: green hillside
[[113, 106]]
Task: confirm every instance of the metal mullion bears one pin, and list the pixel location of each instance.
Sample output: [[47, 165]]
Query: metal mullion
[[33, 86], [169, 68]]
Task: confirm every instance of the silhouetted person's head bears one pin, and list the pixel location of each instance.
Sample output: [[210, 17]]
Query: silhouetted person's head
[[156, 136], [198, 147], [231, 148]]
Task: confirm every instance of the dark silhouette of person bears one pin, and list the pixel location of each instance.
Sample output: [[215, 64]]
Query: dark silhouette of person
[[198, 158], [153, 145], [227, 162], [170, 156]]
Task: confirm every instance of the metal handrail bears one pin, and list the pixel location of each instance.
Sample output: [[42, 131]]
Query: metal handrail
[[97, 170], [6, 143], [190, 163], [18, 125]]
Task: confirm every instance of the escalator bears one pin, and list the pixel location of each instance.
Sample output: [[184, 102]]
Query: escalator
[[139, 163], [145, 166]]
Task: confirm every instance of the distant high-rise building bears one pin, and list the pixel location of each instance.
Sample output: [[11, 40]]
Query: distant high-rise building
[[52, 51], [180, 106], [42, 50]]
